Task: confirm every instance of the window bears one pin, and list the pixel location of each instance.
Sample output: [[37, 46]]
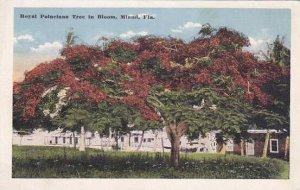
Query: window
[[122, 139], [149, 139], [64, 140], [56, 140], [144, 140], [136, 139], [76, 140], [274, 146], [71, 140]]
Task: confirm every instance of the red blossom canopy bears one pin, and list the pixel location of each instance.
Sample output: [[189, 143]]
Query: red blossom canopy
[[134, 68]]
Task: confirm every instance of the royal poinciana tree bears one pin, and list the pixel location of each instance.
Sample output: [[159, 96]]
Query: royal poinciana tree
[[189, 88]]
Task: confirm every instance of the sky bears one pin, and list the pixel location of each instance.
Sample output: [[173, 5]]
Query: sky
[[39, 39]]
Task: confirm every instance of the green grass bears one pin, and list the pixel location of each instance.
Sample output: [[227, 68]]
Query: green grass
[[57, 162]]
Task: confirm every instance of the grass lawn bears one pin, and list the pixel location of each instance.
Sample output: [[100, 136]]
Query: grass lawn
[[57, 162]]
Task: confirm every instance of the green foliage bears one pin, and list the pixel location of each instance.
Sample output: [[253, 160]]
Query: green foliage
[[48, 77], [49, 101], [78, 64], [223, 81], [228, 47], [229, 115], [24, 87], [103, 42], [277, 53], [206, 30], [118, 116], [267, 119], [280, 54], [45, 162], [280, 90], [178, 106], [73, 118], [154, 65], [112, 84], [70, 38], [122, 55], [40, 121], [205, 61], [111, 67], [17, 97], [113, 89], [110, 70]]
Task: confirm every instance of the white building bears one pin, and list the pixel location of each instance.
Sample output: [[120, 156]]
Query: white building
[[152, 140]]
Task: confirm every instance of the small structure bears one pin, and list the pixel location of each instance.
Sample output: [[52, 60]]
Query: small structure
[[278, 145]]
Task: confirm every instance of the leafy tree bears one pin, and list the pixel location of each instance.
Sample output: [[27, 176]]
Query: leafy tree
[[206, 30], [279, 88], [277, 53], [74, 119], [158, 80], [71, 38], [119, 118]]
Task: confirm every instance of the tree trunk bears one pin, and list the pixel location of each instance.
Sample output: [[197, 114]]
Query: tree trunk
[[74, 142], [175, 147], [82, 139], [142, 139], [286, 149], [109, 138], [129, 137], [101, 143], [174, 133], [155, 141], [162, 144], [199, 143], [116, 140], [265, 150], [223, 148], [21, 137], [242, 144]]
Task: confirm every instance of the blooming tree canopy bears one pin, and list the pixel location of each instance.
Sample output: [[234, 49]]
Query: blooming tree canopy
[[208, 83]]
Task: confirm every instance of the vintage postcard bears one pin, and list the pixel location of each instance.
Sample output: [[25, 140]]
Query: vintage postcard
[[149, 95]]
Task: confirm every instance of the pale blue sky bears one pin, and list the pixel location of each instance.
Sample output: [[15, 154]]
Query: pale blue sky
[[46, 36]]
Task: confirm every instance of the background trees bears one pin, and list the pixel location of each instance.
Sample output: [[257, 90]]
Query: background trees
[[278, 54], [208, 83]]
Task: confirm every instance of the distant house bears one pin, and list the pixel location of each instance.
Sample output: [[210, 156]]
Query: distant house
[[41, 137], [277, 145]]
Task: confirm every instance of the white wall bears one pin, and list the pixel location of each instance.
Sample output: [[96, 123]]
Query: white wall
[[153, 141]]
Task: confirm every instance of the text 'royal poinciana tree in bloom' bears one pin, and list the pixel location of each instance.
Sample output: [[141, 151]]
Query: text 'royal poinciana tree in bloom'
[[207, 84]]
